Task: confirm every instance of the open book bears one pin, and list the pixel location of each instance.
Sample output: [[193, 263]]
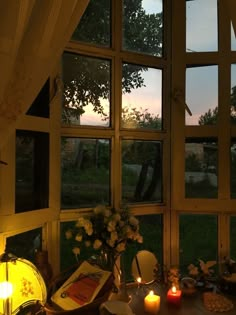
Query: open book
[[82, 287]]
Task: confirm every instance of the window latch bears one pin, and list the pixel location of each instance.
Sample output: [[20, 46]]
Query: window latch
[[179, 97]]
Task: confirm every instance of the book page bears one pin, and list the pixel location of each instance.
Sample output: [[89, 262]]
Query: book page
[[81, 287]]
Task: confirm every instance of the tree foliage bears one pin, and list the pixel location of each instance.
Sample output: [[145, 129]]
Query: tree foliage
[[87, 79]]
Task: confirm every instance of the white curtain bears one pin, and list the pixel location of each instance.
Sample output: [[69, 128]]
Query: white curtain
[[33, 34], [231, 6]]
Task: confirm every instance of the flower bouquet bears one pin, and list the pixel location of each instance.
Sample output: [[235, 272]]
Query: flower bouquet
[[108, 231]]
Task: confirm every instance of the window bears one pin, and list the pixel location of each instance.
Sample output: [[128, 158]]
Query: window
[[32, 170], [114, 122]]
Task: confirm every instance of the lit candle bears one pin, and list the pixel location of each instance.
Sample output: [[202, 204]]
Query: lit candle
[[152, 303], [139, 280], [174, 296]]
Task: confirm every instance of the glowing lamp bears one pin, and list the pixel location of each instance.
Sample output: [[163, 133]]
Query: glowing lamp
[[21, 285]]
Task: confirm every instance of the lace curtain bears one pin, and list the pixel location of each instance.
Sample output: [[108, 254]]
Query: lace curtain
[[33, 34]]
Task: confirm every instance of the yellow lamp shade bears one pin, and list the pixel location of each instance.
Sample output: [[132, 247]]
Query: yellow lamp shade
[[21, 283]]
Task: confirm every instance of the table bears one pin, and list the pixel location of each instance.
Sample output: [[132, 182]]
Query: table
[[189, 305]]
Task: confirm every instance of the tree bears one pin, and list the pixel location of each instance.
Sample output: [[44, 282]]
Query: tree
[[88, 80], [211, 116]]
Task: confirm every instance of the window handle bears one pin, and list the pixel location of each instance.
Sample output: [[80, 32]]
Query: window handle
[[179, 97]]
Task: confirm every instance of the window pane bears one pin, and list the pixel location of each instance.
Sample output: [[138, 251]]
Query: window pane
[[143, 26], [141, 97], [201, 25], [233, 94], [233, 38], [151, 228], [141, 171], [233, 237], [67, 257], [233, 169], [86, 91], [202, 95], [32, 170], [85, 170], [25, 244], [94, 26], [201, 168], [197, 239]]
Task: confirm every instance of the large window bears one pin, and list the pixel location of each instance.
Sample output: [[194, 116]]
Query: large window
[[114, 122]]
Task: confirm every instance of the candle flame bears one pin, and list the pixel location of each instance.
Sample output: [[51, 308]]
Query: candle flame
[[139, 279], [151, 293], [173, 289]]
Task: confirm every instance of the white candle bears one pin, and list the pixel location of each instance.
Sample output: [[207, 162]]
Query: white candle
[[152, 303]]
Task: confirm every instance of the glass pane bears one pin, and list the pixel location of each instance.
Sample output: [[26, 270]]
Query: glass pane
[[86, 91], [233, 237], [202, 95], [233, 169], [95, 25], [25, 244], [151, 228], [233, 38], [233, 94], [141, 97], [201, 168], [143, 26], [201, 25], [141, 171], [67, 257], [85, 171], [197, 239], [32, 170]]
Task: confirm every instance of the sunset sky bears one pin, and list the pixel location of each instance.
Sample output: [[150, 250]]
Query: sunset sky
[[201, 82]]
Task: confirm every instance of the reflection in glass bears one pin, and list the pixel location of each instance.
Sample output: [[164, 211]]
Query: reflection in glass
[[143, 26], [233, 94], [142, 104], [233, 38], [233, 169], [85, 172], [86, 91], [197, 239], [201, 25], [25, 244], [95, 25], [233, 237], [141, 171], [32, 170], [151, 228], [202, 95], [201, 168]]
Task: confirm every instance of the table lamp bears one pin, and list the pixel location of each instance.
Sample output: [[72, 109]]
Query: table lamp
[[21, 285]]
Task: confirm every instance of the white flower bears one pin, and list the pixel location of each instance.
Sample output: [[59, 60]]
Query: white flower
[[80, 222], [76, 251], [114, 236], [133, 221], [120, 247], [78, 237], [97, 244], [111, 226], [87, 243]]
